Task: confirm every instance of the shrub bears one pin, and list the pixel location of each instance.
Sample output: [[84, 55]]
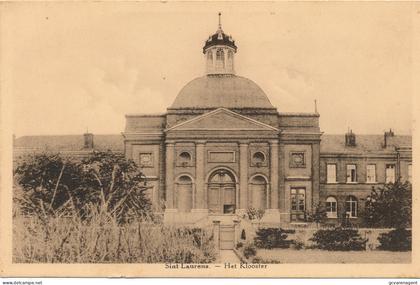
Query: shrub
[[49, 185], [243, 235], [264, 261], [272, 238], [395, 240], [298, 245], [239, 245], [338, 239], [249, 251], [254, 214]]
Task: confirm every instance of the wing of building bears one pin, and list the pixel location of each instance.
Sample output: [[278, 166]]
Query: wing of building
[[222, 149]]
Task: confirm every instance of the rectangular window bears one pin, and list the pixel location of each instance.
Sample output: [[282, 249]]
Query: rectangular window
[[409, 173], [331, 173], [371, 173], [390, 173], [351, 207], [351, 173], [297, 199]]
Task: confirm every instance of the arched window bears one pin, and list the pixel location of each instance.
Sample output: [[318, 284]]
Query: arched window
[[222, 176], [331, 207], [220, 59], [351, 207], [185, 158], [184, 193], [258, 158], [258, 188]]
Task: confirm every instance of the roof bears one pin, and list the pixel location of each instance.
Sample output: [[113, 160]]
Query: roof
[[364, 143], [69, 142], [221, 91], [219, 38]]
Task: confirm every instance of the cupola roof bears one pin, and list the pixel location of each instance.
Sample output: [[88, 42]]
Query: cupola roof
[[219, 38]]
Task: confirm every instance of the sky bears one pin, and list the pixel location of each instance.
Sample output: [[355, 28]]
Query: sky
[[77, 66]]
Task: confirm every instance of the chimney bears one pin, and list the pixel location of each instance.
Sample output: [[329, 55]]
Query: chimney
[[388, 135], [350, 139], [88, 141]]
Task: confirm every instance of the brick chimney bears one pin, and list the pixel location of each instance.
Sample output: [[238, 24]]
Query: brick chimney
[[387, 135], [88, 138], [350, 139]]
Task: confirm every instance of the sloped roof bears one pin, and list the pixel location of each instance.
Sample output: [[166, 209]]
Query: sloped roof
[[69, 142], [364, 143], [219, 38], [221, 91]]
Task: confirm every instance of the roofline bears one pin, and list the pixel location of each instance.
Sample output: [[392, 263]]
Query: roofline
[[219, 110], [298, 114], [146, 115]]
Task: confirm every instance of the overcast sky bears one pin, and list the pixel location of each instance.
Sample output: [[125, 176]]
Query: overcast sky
[[85, 65]]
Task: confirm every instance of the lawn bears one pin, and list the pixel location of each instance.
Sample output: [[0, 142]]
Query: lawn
[[322, 256]]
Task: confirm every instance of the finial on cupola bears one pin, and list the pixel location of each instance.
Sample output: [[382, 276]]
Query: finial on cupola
[[219, 50]]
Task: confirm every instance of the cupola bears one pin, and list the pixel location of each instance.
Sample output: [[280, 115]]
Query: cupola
[[219, 50]]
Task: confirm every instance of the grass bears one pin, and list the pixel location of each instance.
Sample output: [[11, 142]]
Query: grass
[[323, 256], [102, 240]]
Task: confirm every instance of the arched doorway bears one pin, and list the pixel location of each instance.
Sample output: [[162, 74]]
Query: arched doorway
[[222, 192]]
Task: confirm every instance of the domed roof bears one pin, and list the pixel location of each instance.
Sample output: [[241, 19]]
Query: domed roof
[[216, 91]]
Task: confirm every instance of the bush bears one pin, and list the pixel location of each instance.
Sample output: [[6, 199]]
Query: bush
[[249, 250], [264, 261], [243, 235], [50, 185], [395, 240], [239, 245], [338, 239], [298, 245], [254, 214], [272, 238]]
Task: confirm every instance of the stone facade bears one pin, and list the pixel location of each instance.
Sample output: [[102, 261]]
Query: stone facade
[[222, 148]]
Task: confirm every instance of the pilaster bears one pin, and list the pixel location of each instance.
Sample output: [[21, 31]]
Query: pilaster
[[243, 175]]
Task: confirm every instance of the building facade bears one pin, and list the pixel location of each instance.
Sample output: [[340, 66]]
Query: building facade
[[222, 149]]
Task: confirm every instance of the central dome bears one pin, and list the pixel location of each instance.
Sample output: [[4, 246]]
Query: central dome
[[217, 91]]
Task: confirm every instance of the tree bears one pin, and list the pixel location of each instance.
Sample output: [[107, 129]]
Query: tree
[[115, 186], [46, 181], [389, 206], [318, 214], [104, 182]]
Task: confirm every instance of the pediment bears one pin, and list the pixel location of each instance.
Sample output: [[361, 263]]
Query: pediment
[[222, 119]]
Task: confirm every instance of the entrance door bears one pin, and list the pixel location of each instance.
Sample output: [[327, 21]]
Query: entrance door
[[227, 237], [222, 192]]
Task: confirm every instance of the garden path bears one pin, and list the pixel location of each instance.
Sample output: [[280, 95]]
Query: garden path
[[227, 255]]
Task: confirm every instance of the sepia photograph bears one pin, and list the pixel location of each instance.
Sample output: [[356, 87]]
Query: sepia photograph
[[208, 138]]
